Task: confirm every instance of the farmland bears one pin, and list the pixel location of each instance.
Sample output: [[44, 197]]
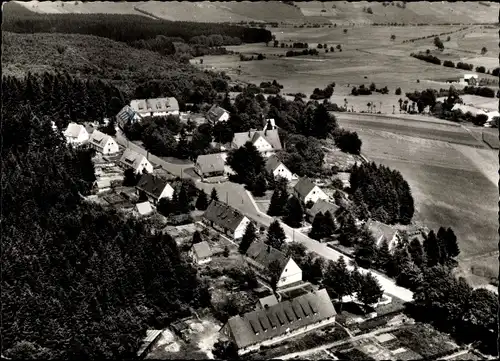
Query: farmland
[[445, 170]]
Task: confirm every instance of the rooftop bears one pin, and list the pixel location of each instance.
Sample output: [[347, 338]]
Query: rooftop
[[271, 136], [223, 215], [264, 254], [283, 317], [154, 105], [202, 250], [211, 162], [73, 130], [144, 208], [131, 158], [322, 206], [99, 139], [304, 186], [151, 184], [381, 231], [272, 163], [268, 301], [215, 113]]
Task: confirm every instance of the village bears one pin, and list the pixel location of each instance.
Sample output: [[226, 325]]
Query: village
[[279, 314]]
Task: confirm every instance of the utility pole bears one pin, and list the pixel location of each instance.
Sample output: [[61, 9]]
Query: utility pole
[[227, 198]]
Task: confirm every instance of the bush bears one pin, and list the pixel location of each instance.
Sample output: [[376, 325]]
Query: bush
[[398, 91], [481, 69], [449, 64], [428, 58], [464, 66]]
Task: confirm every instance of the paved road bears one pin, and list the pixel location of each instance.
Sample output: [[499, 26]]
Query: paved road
[[237, 197]]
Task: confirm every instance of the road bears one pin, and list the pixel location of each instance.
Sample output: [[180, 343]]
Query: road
[[240, 199]]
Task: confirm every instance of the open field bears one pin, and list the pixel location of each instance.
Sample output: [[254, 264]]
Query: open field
[[454, 185], [274, 11]]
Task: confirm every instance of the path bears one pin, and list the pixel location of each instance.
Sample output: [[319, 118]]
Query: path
[[239, 198]]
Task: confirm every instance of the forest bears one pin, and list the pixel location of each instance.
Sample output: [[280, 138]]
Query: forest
[[135, 30], [78, 281]]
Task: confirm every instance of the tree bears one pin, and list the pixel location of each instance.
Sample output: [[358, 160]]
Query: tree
[[247, 162], [248, 238], [373, 87], [183, 150], [398, 92], [130, 178], [274, 272], [317, 230], [260, 186], [416, 252], [431, 247], [337, 279], [276, 235], [329, 224], [400, 257], [452, 243], [484, 50], [202, 201], [393, 37], [197, 238], [279, 199], [225, 350], [214, 196], [370, 291], [410, 277], [438, 43], [183, 203], [383, 256], [294, 213], [365, 250]]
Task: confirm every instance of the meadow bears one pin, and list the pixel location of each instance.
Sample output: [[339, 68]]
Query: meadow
[[454, 185]]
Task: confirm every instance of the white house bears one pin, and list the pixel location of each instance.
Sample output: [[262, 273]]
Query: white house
[[210, 165], [276, 323], [260, 256], [135, 161], [226, 219], [381, 232], [469, 79], [201, 253], [217, 114], [493, 118], [75, 134], [154, 187], [307, 191], [103, 143], [275, 167], [267, 142], [156, 107]]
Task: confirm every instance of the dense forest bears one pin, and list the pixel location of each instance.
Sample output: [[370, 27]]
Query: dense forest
[[381, 193], [78, 281], [134, 30]]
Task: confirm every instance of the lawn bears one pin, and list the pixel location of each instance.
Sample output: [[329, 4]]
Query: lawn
[[424, 340]]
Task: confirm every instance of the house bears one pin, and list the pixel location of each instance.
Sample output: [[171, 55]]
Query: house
[[266, 302], [266, 141], [260, 256], [75, 133], [321, 206], [154, 187], [383, 232], [470, 79], [307, 191], [493, 118], [156, 107], [217, 114], [135, 161], [125, 115], [201, 253], [275, 167], [226, 219], [103, 143], [143, 209], [467, 108], [151, 339], [210, 165], [281, 321]]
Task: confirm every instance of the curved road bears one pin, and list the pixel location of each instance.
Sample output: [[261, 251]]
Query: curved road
[[239, 198]]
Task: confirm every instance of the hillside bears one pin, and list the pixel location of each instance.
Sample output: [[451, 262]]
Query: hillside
[[301, 12]]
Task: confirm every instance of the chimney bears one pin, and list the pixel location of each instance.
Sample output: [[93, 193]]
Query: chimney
[[268, 249], [249, 133]]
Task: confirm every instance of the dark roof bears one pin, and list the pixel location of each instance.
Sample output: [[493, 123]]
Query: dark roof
[[322, 206], [304, 186], [223, 215], [272, 163], [215, 113], [260, 325], [202, 250], [271, 136], [125, 115], [264, 254], [211, 163], [151, 184]]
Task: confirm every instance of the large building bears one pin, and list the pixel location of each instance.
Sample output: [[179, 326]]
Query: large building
[[261, 256], [276, 323], [226, 219], [267, 142], [156, 107]]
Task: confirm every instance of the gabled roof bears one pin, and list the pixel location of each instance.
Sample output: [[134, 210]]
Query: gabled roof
[[322, 206], [99, 139], [264, 255], [215, 112], [143, 208], [152, 185], [211, 163], [272, 163], [202, 250], [73, 130], [154, 105], [261, 325], [381, 231], [223, 215], [125, 115], [271, 136], [132, 159], [268, 301], [304, 186]]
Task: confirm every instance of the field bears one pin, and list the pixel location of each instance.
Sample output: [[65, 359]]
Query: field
[[342, 13], [453, 181]]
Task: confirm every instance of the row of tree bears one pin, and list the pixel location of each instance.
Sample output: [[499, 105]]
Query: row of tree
[[381, 194]]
